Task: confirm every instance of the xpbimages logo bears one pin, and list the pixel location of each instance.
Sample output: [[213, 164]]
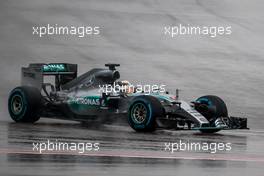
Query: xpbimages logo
[[212, 147], [212, 31], [79, 31], [57, 146], [130, 88]]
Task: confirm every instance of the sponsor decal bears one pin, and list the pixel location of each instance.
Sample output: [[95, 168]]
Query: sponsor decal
[[91, 101], [54, 68]]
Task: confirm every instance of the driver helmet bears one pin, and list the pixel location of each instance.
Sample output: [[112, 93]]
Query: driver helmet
[[128, 87]]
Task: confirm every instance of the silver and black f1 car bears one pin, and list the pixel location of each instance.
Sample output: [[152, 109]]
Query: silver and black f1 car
[[79, 98]]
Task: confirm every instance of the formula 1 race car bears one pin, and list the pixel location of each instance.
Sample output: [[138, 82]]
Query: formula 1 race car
[[83, 99]]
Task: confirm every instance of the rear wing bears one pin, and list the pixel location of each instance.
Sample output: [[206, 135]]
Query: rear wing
[[33, 75]]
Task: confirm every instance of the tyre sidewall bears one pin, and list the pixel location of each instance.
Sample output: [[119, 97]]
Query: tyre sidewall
[[221, 109], [148, 122], [18, 116], [31, 99]]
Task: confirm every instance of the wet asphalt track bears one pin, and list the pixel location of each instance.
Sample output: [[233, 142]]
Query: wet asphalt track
[[125, 152], [132, 35]]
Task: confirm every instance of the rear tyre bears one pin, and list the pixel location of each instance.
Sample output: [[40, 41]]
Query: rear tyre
[[24, 103], [216, 108], [143, 112]]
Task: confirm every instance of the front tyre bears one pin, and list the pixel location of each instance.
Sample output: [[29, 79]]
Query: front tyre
[[24, 103], [143, 112], [211, 107]]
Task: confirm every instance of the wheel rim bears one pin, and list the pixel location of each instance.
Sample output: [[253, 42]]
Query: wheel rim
[[17, 104], [139, 112]]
